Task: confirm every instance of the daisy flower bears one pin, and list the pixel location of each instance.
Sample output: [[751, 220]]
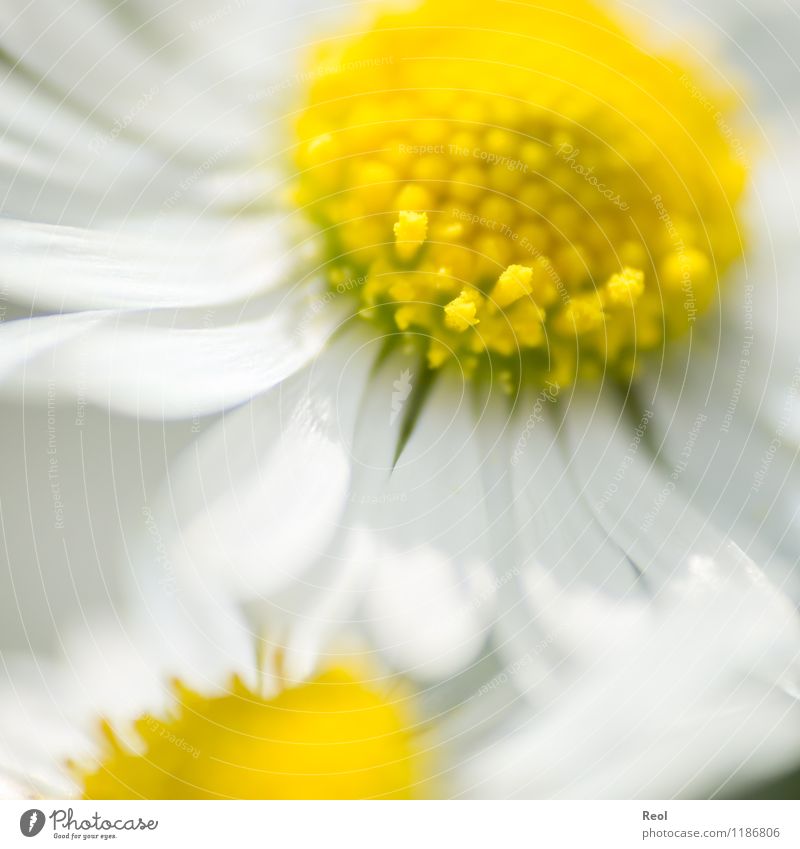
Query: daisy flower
[[427, 264], [606, 701]]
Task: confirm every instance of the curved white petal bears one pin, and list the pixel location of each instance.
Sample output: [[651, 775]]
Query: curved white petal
[[112, 668], [134, 139], [540, 518], [305, 620], [153, 364], [673, 699], [411, 530], [552, 518], [149, 95], [39, 726], [632, 496], [171, 263], [429, 603], [14, 786], [587, 502], [259, 497], [424, 613]]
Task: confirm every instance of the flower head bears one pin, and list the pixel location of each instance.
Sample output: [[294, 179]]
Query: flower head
[[710, 704], [536, 190], [521, 187], [333, 737]]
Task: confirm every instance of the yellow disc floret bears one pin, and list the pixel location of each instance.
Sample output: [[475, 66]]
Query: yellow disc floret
[[410, 232], [522, 184], [331, 738]]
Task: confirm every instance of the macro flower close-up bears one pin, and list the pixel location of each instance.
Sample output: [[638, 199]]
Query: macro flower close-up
[[400, 400]]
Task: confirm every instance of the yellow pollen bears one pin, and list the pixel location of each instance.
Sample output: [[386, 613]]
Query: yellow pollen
[[623, 288], [583, 314], [410, 232], [513, 284], [461, 311], [527, 183], [334, 737]]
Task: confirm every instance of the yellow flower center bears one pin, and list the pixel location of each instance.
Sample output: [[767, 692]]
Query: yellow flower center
[[520, 185], [331, 738]]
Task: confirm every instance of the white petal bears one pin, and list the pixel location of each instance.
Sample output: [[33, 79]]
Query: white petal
[[634, 498], [424, 613], [40, 725], [259, 497], [428, 607], [119, 667], [551, 519], [540, 518], [114, 668], [685, 698], [314, 616], [175, 262], [15, 786], [124, 129], [101, 91], [146, 365]]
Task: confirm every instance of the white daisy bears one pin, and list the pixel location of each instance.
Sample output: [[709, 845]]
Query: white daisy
[[389, 471], [593, 700]]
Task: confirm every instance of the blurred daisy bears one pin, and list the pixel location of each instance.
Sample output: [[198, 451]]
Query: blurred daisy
[[424, 267], [594, 700]]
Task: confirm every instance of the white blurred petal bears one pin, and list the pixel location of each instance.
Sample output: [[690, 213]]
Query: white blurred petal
[[424, 614], [174, 263], [429, 604], [141, 364], [141, 100], [673, 700], [259, 497], [635, 499]]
